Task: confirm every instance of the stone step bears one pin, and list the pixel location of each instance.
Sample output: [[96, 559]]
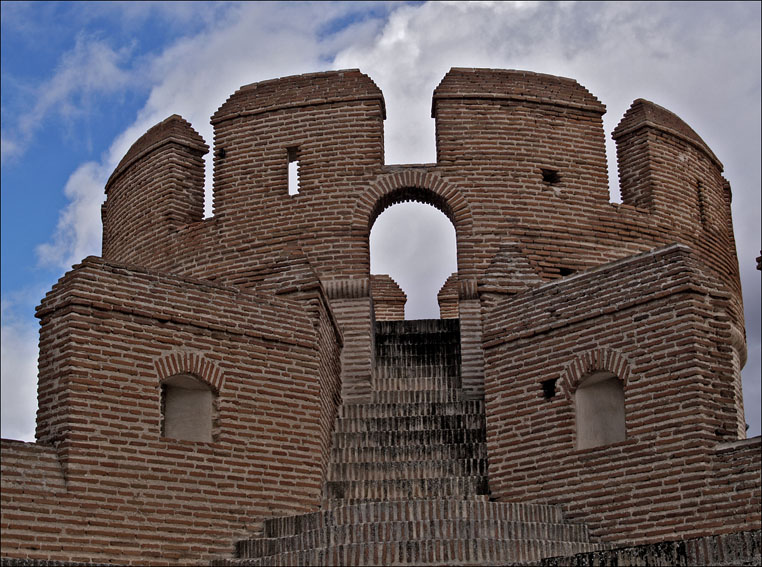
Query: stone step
[[409, 470], [433, 552], [471, 407], [410, 531], [409, 423], [412, 510], [410, 453], [417, 326], [416, 396], [397, 372], [421, 346], [401, 489], [419, 357], [414, 384], [408, 438]]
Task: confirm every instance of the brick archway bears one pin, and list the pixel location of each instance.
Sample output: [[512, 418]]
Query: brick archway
[[190, 363], [589, 362], [411, 185]]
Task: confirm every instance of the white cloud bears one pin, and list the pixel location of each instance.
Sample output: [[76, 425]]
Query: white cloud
[[79, 230], [18, 381]]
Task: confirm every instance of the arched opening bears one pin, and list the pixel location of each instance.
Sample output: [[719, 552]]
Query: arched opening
[[188, 408], [415, 244], [599, 409]]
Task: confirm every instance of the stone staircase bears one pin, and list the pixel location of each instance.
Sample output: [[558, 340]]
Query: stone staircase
[[407, 483]]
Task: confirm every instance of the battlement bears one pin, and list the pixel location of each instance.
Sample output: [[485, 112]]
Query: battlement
[[521, 165], [208, 377], [174, 129], [310, 89], [510, 85], [644, 113]]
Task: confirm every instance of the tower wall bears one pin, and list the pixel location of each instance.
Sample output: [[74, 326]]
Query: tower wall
[[330, 123], [504, 128]]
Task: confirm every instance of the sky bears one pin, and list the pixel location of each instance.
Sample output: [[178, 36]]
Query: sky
[[80, 82]]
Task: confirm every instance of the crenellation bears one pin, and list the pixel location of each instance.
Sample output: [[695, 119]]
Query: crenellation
[[328, 429]]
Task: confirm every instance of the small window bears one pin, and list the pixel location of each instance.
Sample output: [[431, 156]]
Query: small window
[[293, 171], [188, 407], [549, 388], [599, 408], [550, 176]]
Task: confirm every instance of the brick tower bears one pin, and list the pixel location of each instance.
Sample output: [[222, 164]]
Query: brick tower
[[239, 390]]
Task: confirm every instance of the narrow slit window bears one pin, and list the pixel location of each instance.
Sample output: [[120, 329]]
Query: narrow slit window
[[293, 171], [549, 388]]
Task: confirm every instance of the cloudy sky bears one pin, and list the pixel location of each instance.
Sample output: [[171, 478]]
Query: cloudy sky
[[82, 81]]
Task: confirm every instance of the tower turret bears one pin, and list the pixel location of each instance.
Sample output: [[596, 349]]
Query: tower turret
[[157, 188], [666, 168]]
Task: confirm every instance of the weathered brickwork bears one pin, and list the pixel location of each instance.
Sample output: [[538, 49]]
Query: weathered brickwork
[[448, 298], [268, 307], [669, 345], [388, 298], [104, 483]]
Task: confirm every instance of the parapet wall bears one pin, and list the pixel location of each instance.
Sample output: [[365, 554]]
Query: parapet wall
[[388, 299], [156, 189], [668, 345], [105, 482]]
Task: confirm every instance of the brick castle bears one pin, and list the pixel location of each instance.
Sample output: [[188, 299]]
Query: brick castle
[[239, 390]]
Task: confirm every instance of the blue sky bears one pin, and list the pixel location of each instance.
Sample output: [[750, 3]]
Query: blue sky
[[82, 81]]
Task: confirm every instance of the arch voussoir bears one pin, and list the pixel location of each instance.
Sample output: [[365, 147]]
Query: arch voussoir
[[592, 361], [433, 190], [193, 363]]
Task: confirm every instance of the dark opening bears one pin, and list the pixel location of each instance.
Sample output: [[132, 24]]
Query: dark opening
[[566, 271], [550, 176], [549, 388]]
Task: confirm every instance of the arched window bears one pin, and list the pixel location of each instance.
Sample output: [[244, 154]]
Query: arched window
[[188, 409], [599, 408]]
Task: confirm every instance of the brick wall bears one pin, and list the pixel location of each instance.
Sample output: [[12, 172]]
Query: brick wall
[[659, 323], [521, 172], [272, 297], [388, 299], [104, 483], [448, 298]]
